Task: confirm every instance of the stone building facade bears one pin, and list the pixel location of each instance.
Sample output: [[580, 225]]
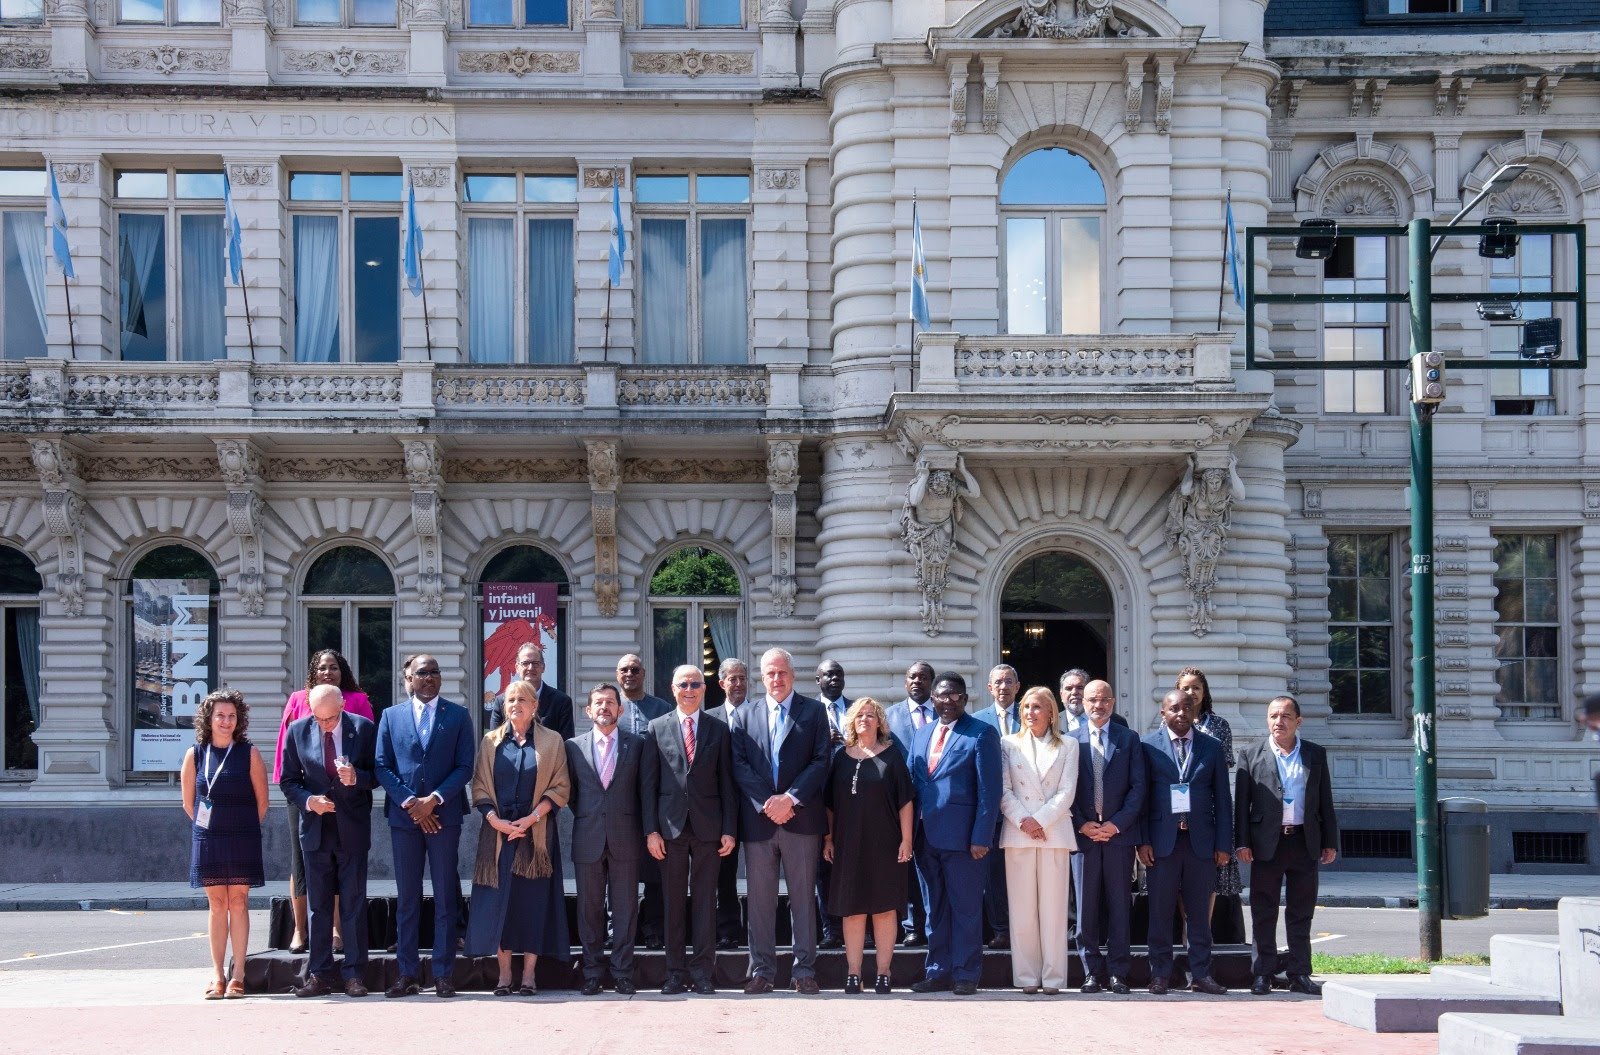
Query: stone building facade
[[1069, 467]]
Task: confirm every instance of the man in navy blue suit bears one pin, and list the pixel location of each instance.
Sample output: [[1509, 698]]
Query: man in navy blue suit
[[1002, 715], [1188, 836], [781, 751], [905, 719], [1108, 814], [955, 767], [425, 755], [328, 762]]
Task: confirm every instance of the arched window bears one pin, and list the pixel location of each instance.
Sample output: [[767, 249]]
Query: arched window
[[694, 618], [349, 605], [1055, 614], [521, 566], [20, 587], [173, 646], [1053, 207]]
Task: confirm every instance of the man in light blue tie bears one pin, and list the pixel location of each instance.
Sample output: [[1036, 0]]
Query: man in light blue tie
[[781, 751]]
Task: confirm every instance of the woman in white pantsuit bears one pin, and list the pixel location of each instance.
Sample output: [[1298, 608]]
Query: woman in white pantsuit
[[1041, 776]]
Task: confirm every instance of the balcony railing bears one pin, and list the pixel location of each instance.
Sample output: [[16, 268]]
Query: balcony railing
[[953, 362]]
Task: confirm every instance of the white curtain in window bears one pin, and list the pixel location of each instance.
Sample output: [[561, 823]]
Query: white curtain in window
[[27, 621], [204, 302], [140, 238], [316, 289], [491, 276], [664, 291], [723, 300], [550, 291], [28, 247], [724, 623]]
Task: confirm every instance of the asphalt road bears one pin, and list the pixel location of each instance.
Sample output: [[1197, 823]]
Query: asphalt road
[[116, 940]]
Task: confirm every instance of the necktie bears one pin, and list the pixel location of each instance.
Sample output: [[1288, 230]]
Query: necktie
[[329, 753], [425, 725], [688, 739], [1008, 724], [921, 715], [607, 763], [775, 738], [1182, 746], [938, 749], [1098, 758]]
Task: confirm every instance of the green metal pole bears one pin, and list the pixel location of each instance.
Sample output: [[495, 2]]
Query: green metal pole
[[1424, 728]]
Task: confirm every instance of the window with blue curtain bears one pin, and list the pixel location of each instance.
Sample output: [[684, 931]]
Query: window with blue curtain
[[694, 300], [346, 266], [142, 285], [520, 285], [22, 283], [692, 14], [170, 266]]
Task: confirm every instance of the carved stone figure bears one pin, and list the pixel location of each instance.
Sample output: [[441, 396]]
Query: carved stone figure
[[928, 529], [1199, 517], [1067, 20]]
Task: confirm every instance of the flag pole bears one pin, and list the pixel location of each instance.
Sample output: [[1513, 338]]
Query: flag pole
[[427, 326], [249, 326], [605, 340], [618, 249], [1222, 276], [72, 335]]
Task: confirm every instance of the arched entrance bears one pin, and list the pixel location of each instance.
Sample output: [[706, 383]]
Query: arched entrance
[[1055, 614]]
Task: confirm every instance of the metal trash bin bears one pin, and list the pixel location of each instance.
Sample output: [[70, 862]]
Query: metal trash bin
[[1464, 844]]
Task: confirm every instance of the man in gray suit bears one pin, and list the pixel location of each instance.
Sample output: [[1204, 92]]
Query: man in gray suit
[[609, 769]]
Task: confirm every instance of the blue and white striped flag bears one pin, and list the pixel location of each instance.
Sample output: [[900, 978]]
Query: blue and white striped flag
[[919, 272], [412, 255], [1233, 252], [619, 237], [230, 226], [55, 217]]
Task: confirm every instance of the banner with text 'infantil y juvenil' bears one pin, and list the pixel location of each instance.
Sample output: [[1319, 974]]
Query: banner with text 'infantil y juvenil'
[[515, 613], [172, 666]]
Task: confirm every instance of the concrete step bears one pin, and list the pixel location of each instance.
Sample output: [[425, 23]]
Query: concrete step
[[1452, 972], [1413, 1003], [1526, 961], [1474, 1034]]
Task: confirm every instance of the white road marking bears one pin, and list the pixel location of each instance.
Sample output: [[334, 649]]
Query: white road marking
[[1326, 937], [30, 957]]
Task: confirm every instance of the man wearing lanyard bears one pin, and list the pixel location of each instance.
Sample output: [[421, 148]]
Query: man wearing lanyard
[[905, 719], [1283, 783], [830, 693], [1189, 836], [1003, 688]]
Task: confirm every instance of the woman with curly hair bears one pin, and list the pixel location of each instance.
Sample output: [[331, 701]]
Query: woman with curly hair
[[225, 795], [1192, 683]]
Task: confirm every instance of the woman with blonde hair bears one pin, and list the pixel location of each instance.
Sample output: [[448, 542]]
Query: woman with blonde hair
[[1040, 771], [518, 902], [869, 797]]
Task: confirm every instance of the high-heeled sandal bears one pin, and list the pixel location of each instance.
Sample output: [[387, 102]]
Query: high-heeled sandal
[[852, 984], [527, 990], [881, 985]]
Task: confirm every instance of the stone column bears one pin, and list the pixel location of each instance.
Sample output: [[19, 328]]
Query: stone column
[[251, 55], [780, 35], [73, 51], [429, 44], [85, 189], [778, 231], [599, 341], [602, 49], [437, 216], [265, 235], [1258, 570]]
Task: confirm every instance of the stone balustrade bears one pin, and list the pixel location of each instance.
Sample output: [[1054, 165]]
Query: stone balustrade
[[953, 362]]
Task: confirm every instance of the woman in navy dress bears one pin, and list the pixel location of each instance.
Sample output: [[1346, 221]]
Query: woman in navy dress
[[225, 795], [518, 899]]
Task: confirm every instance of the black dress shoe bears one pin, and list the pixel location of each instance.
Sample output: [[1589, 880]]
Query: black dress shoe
[[444, 987], [1208, 985], [727, 944], [355, 987], [704, 987], [1091, 986], [881, 986], [965, 988], [591, 987], [1000, 941], [937, 984], [653, 941], [1158, 987], [1118, 986], [625, 987], [831, 941], [1261, 985], [315, 986], [852, 984], [1302, 983], [914, 941], [674, 987], [405, 985]]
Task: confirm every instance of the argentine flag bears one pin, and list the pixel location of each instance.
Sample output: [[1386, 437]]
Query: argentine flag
[[55, 217]]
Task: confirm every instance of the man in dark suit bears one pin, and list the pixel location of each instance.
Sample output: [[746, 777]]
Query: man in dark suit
[[555, 706], [1107, 812], [955, 768], [905, 720], [691, 812], [1074, 685], [609, 769], [1002, 717], [734, 678], [1188, 836], [424, 762], [639, 709], [780, 761], [328, 762], [836, 705], [1284, 823]]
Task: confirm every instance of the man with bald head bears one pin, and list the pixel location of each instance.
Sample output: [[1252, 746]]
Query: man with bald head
[[1107, 814], [328, 771]]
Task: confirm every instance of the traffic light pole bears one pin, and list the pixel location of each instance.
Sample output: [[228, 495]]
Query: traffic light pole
[[1425, 757]]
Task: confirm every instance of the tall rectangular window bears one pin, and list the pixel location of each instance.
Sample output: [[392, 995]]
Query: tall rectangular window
[[1532, 270], [694, 303], [1527, 626], [1361, 623], [346, 231], [1352, 332], [171, 266], [23, 273], [519, 238]]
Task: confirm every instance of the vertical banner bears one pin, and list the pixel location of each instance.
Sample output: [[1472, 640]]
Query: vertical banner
[[172, 665], [515, 613]]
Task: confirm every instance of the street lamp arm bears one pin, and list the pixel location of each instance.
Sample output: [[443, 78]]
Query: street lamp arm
[[1503, 178]]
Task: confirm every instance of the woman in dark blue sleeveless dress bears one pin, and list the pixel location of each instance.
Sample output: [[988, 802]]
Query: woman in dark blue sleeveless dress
[[225, 795]]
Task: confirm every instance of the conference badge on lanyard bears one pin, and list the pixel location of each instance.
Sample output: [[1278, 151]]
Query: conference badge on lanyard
[[1180, 790], [202, 803]]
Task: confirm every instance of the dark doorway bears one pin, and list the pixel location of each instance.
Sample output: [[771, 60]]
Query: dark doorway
[[1055, 614], [1041, 650]]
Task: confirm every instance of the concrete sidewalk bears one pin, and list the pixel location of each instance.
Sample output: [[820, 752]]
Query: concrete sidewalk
[[1339, 890]]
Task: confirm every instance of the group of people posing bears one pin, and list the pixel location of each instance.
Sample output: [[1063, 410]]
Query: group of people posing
[[915, 820]]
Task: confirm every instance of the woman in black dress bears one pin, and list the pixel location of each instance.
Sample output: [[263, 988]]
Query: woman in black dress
[[225, 795], [869, 798]]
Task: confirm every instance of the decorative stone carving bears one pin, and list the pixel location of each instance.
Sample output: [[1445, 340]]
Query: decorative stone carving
[[603, 480], [1133, 102], [426, 13], [147, 468], [336, 470], [600, 179], [1358, 95], [517, 470], [1068, 20], [510, 391], [602, 8], [241, 472], [518, 62], [19, 57], [693, 63], [166, 59], [1530, 90], [1591, 500], [693, 471], [376, 392], [75, 171], [776, 11], [1166, 84], [671, 389], [1086, 363], [425, 476], [1359, 194], [1547, 91], [1533, 194], [991, 93], [252, 175], [1380, 86], [1311, 503], [1199, 517], [928, 528], [1481, 502], [344, 61], [430, 176], [783, 477], [57, 467], [958, 95], [778, 179], [166, 389], [1297, 85]]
